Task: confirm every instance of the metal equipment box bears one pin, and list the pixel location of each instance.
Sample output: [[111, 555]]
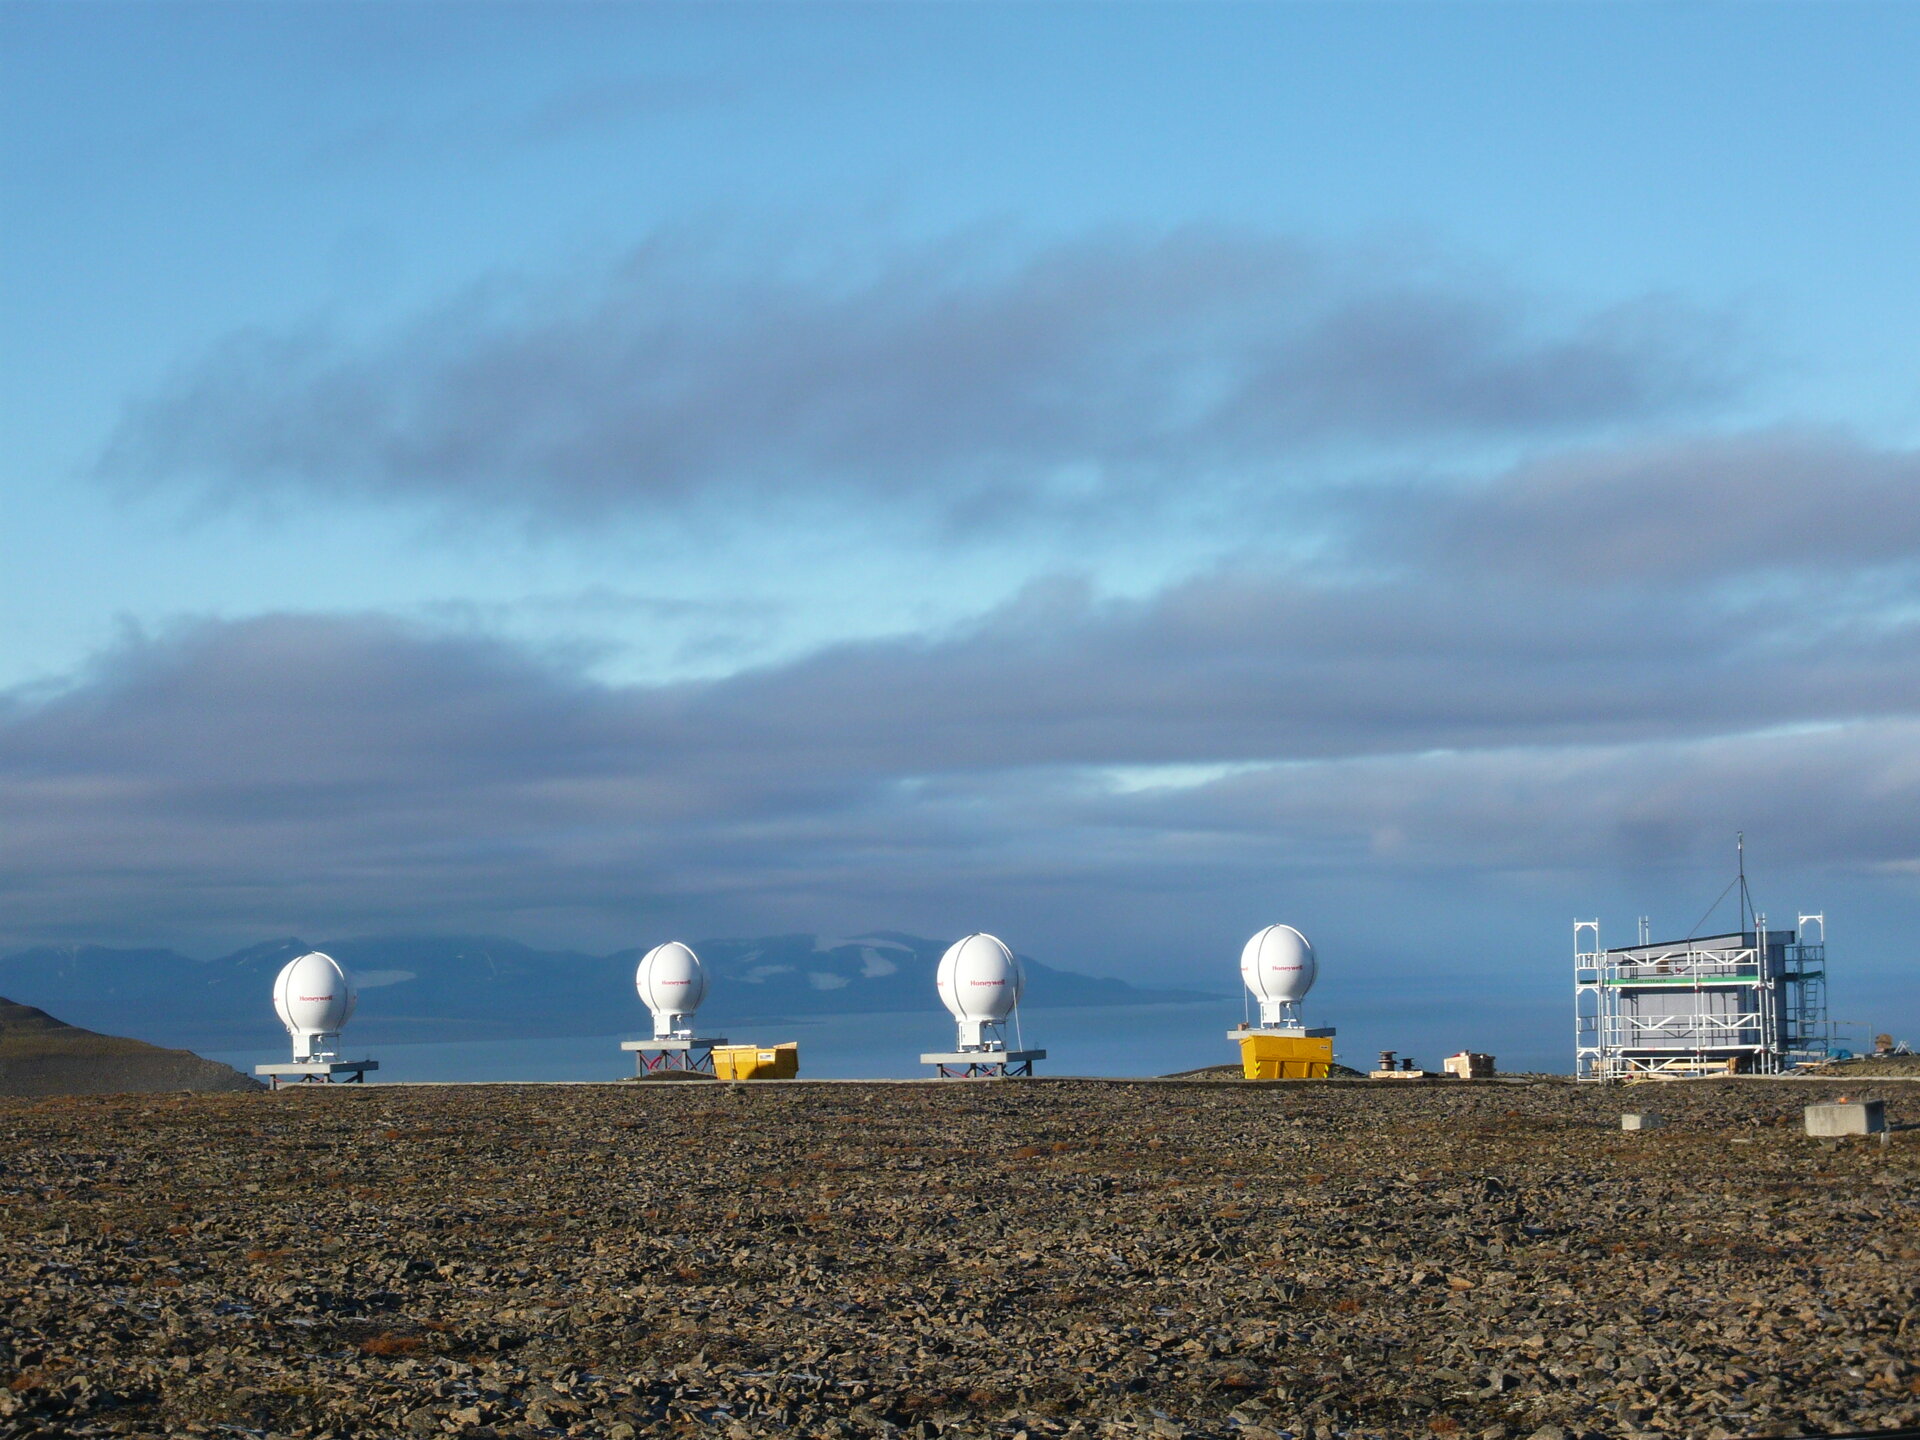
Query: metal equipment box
[[757, 1062], [1285, 1057]]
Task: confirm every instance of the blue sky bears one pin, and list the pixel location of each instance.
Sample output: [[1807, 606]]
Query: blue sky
[[1118, 475]]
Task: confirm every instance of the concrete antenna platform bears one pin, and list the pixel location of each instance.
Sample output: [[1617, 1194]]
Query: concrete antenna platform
[[1848, 1117]]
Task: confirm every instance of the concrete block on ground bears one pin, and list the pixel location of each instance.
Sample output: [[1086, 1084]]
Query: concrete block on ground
[[1855, 1117], [1644, 1120]]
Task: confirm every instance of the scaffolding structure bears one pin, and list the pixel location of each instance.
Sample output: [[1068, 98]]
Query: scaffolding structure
[[1751, 1001]]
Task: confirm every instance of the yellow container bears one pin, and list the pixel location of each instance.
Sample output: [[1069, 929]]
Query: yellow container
[[1286, 1057], [757, 1062]]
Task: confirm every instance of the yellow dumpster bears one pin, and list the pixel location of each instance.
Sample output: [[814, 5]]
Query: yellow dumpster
[[1285, 1057], [757, 1062]]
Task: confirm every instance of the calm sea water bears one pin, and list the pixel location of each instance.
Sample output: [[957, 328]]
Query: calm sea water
[[1115, 1040]]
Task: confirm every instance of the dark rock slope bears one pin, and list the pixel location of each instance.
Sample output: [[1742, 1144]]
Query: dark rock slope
[[40, 1055]]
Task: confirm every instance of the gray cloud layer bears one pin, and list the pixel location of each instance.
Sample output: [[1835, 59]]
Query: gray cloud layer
[[955, 378], [1783, 501], [1497, 691]]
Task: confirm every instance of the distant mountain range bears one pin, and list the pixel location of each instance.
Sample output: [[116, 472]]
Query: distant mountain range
[[416, 988]]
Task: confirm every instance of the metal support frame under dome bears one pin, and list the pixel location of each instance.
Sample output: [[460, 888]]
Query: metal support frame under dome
[[983, 1064], [323, 1070], [691, 1054]]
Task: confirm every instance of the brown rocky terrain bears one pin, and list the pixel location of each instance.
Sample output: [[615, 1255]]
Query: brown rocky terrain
[[40, 1055], [964, 1260], [1869, 1067]]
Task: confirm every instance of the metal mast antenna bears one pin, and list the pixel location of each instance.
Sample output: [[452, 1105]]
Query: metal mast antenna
[[1746, 898]]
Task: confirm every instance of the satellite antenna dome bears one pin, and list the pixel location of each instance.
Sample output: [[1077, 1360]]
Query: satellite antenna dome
[[979, 983], [314, 998], [672, 984], [1278, 967]]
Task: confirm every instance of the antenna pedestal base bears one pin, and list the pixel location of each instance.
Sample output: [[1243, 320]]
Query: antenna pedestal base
[[317, 1072], [982, 1064], [691, 1053]]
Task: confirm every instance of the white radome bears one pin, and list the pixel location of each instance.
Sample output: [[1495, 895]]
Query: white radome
[[979, 983], [672, 984], [1278, 967], [314, 998]]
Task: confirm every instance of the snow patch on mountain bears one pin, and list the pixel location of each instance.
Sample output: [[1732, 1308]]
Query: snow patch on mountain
[[765, 972]]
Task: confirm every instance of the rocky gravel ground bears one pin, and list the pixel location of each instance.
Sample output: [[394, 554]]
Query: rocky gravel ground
[[1004, 1259], [1870, 1067]]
